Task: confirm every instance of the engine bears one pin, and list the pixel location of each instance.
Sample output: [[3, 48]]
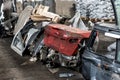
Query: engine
[[54, 59]]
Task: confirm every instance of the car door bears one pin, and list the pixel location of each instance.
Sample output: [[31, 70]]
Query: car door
[[100, 65]]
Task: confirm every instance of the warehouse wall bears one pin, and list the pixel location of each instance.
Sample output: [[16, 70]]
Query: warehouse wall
[[65, 7]]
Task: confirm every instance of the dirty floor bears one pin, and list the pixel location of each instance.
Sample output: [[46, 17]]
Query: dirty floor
[[11, 68]]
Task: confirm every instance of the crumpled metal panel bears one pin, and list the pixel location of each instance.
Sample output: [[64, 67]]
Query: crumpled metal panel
[[27, 36], [23, 37], [23, 18], [97, 67]]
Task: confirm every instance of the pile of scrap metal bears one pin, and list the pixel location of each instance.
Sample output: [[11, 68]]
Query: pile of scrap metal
[[39, 34], [30, 25], [40, 13]]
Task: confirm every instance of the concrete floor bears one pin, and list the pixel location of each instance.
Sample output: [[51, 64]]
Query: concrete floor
[[11, 68]]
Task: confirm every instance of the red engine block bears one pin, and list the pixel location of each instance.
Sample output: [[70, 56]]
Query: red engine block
[[63, 38]]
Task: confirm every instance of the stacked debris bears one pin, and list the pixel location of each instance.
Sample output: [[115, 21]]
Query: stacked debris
[[95, 9], [29, 29], [40, 13]]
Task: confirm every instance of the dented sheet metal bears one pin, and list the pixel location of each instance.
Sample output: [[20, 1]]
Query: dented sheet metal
[[23, 37], [30, 36], [23, 18], [98, 66]]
